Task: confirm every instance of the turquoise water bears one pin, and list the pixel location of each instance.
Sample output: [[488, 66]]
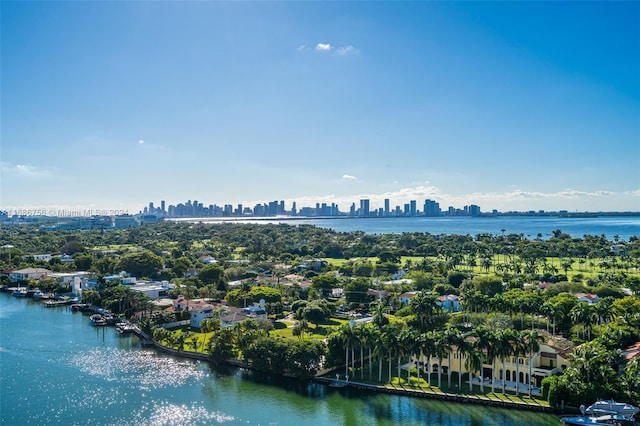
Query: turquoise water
[[56, 369], [529, 226]]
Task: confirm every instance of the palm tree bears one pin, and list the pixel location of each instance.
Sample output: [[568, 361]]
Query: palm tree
[[579, 314], [482, 339], [423, 305], [378, 348], [492, 349], [473, 363], [462, 346], [427, 348], [379, 318], [503, 350], [531, 346], [550, 312], [441, 350], [390, 340], [451, 337], [347, 335], [517, 349], [370, 338], [405, 345], [209, 325], [363, 334], [604, 309], [566, 265], [413, 345]]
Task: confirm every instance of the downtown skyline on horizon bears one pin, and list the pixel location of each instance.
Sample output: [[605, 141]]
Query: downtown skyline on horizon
[[513, 106]]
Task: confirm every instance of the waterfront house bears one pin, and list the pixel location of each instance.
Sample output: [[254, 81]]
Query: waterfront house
[[29, 273], [199, 313], [153, 290], [552, 358], [235, 315], [78, 281]]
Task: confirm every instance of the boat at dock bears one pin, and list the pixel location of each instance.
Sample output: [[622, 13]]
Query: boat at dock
[[19, 292], [52, 303], [98, 320], [604, 412], [125, 328], [39, 295]]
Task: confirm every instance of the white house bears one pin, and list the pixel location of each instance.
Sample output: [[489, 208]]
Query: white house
[[40, 257], [78, 281], [124, 278], [27, 273], [200, 313], [153, 290]]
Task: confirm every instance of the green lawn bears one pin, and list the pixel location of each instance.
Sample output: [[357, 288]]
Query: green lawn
[[421, 384], [284, 328], [117, 247]]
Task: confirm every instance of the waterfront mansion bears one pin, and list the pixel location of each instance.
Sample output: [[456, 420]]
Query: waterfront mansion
[[550, 359]]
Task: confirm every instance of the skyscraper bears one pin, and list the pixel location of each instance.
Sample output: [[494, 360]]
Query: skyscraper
[[364, 207], [386, 207]]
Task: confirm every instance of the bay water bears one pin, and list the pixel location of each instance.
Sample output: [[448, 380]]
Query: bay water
[[624, 227], [56, 369]]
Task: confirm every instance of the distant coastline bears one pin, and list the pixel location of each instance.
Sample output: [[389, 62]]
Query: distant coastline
[[345, 216]]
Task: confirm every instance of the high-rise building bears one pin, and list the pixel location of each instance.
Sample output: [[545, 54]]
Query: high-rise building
[[386, 207], [364, 207], [431, 208], [412, 209]]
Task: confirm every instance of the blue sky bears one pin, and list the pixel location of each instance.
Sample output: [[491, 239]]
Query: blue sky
[[509, 105]]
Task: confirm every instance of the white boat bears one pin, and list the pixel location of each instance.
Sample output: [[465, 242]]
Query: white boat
[[38, 295], [20, 292], [604, 413], [603, 407], [98, 320]]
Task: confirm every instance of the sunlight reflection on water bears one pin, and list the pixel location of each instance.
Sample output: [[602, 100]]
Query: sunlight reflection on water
[[141, 368], [178, 415]]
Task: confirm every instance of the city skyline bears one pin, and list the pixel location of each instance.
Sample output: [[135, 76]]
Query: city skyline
[[197, 208], [514, 106]]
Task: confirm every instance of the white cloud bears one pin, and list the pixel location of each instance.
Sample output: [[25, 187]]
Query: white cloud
[[140, 142], [328, 47], [345, 50], [24, 170], [516, 199], [349, 177]]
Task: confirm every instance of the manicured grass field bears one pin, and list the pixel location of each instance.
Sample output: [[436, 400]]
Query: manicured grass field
[[588, 268]]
